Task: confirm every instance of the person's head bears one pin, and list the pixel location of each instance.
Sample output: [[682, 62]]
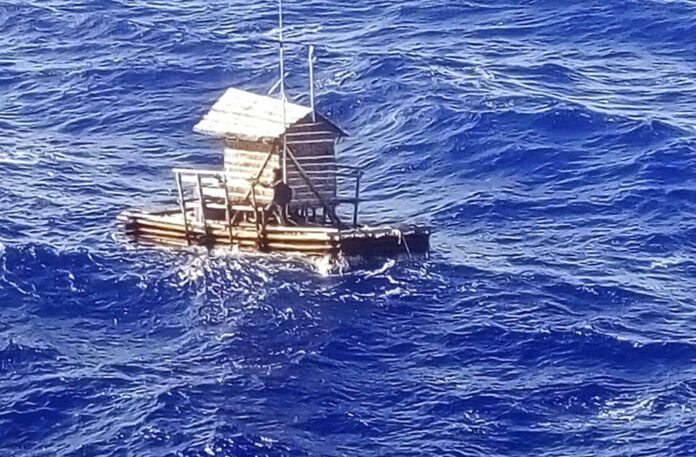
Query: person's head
[[277, 174]]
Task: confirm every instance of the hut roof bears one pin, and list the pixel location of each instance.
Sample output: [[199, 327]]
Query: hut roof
[[254, 117]]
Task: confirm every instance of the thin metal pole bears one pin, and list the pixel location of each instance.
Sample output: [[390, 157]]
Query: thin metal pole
[[311, 82], [282, 90]]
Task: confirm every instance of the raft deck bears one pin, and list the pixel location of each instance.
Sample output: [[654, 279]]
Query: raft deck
[[173, 229]]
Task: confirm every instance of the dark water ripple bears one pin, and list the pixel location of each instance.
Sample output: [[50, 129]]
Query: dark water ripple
[[549, 143]]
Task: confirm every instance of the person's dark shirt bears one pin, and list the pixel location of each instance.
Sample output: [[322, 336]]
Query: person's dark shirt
[[282, 193]]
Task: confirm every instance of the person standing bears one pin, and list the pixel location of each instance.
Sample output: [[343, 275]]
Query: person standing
[[282, 195]]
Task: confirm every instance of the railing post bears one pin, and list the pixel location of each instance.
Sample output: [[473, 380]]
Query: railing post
[[182, 204], [256, 217], [357, 199], [228, 213], [201, 200]]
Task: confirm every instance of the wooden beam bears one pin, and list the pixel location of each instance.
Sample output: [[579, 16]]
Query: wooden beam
[[259, 173], [228, 216], [182, 203], [256, 217], [310, 132], [310, 142], [201, 199], [195, 171], [327, 208]]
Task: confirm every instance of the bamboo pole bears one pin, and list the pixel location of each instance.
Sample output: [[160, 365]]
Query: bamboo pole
[[201, 199], [164, 241], [256, 217], [182, 202], [144, 223], [228, 216], [245, 232]]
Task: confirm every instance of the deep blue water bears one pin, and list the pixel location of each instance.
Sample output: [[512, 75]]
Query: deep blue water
[[550, 144]]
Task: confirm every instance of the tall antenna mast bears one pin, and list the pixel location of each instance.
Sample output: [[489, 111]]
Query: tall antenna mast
[[282, 91], [311, 82]]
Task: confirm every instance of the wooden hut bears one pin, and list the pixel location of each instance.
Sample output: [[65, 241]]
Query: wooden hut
[[255, 133], [227, 207]]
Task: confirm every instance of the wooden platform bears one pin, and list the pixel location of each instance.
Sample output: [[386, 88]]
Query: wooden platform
[[169, 228]]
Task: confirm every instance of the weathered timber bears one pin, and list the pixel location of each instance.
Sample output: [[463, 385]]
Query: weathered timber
[[309, 239], [224, 207], [182, 202], [326, 206]]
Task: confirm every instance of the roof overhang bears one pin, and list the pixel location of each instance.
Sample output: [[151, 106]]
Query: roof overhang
[[252, 117]]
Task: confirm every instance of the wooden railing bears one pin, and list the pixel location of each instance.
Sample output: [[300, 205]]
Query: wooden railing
[[355, 173], [199, 176]]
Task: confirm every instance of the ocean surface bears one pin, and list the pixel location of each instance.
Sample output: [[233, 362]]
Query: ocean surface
[[551, 145]]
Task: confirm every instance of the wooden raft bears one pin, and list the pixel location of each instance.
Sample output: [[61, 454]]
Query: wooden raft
[[231, 207], [169, 228]]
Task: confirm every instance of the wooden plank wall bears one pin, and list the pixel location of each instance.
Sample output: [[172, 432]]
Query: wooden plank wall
[[314, 148], [243, 160], [313, 144]]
